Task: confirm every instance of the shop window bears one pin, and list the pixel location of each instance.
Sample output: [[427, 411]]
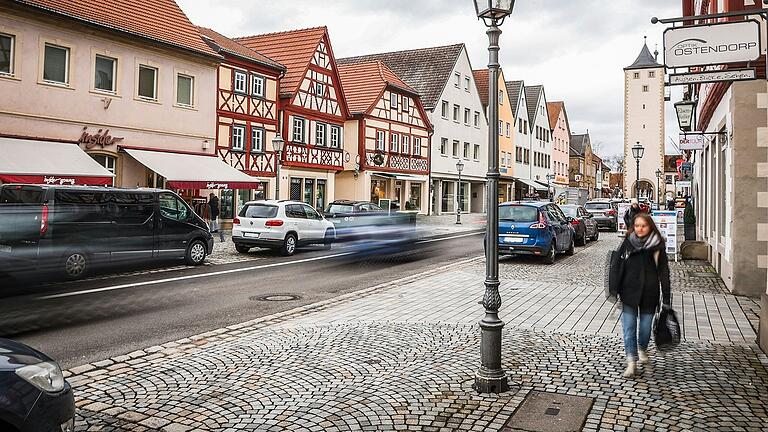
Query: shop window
[[320, 134], [240, 82], [257, 85], [238, 138], [309, 190], [147, 82], [417, 146], [185, 87], [381, 143], [56, 64], [320, 197], [447, 197], [298, 130], [7, 52], [104, 74], [414, 201], [227, 204], [335, 137], [257, 140], [108, 162]]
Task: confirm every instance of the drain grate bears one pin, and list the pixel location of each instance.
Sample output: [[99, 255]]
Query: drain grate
[[275, 297], [550, 412]]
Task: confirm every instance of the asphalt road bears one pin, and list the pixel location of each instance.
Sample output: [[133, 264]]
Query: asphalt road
[[83, 322]]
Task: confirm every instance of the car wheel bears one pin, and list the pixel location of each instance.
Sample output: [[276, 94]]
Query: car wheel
[[596, 236], [582, 241], [242, 248], [572, 248], [75, 265], [328, 241], [195, 253], [289, 245], [549, 258]]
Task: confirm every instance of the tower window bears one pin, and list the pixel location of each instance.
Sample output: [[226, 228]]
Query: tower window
[[652, 74], [645, 88], [636, 75]]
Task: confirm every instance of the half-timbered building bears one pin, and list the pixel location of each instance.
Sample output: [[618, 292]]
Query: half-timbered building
[[313, 112], [246, 117], [387, 137]]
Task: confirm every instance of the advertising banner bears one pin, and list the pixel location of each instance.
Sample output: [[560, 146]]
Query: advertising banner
[[692, 142], [622, 209], [666, 221], [713, 76], [711, 44]]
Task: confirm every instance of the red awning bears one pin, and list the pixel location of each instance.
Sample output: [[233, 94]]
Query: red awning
[[56, 180]]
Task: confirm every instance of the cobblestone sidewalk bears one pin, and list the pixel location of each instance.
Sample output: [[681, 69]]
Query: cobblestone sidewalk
[[401, 356]]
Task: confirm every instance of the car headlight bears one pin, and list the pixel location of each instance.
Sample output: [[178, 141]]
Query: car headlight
[[46, 376]]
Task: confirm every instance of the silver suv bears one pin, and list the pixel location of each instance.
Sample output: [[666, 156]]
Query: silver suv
[[281, 225]]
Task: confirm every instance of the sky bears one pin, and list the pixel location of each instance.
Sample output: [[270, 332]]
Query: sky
[[576, 48]]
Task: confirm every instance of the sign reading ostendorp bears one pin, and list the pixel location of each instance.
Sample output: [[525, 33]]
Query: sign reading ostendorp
[[712, 44]]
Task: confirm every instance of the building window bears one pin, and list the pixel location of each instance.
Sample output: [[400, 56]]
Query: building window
[[466, 84], [456, 110], [257, 140], [476, 153], [444, 110], [7, 48], [238, 138], [393, 101], [508, 126], [406, 103], [501, 127], [394, 145], [147, 82], [240, 82], [444, 146], [185, 87], [645, 88], [501, 97], [104, 73], [298, 130], [457, 76], [405, 145], [520, 126], [417, 146], [651, 74], [257, 85], [636, 75], [108, 162], [455, 149], [381, 141], [477, 119], [320, 89], [319, 134], [466, 116], [335, 137], [56, 64], [466, 150]]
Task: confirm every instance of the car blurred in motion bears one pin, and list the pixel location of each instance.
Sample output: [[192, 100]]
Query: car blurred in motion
[[583, 223], [534, 228], [34, 396], [280, 225], [367, 228], [73, 229], [605, 213]]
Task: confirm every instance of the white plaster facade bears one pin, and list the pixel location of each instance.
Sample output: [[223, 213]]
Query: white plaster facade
[[541, 140]]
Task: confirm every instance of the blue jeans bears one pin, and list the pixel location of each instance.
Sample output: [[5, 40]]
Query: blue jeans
[[636, 335]]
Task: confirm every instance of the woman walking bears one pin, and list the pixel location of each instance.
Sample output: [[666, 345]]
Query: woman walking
[[645, 268]]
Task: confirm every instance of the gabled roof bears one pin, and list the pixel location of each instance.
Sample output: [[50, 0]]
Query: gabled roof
[[554, 109], [644, 60], [293, 49], [427, 70], [161, 21], [363, 84], [532, 96], [515, 89], [223, 44], [482, 82], [578, 144]]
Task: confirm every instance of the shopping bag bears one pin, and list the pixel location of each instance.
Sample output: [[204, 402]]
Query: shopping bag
[[666, 330], [613, 273]]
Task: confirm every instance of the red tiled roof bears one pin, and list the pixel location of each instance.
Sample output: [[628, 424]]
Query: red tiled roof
[[293, 48], [158, 20], [364, 82], [221, 43], [482, 82], [554, 109]]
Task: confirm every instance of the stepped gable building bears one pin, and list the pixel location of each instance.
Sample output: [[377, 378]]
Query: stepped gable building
[[313, 112], [561, 137], [387, 137], [443, 77]]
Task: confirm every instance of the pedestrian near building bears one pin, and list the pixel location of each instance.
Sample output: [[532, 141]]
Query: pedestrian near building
[[213, 206], [629, 215], [644, 279]]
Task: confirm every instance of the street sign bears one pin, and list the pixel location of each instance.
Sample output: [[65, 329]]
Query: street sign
[[712, 76], [683, 184], [691, 142], [710, 44]]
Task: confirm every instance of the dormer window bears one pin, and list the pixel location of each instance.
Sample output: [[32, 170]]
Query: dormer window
[[320, 89], [393, 101]]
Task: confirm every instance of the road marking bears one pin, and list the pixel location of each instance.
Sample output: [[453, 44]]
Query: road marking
[[220, 272]]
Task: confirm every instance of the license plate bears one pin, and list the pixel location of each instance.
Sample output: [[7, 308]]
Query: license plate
[[5, 248], [251, 235], [514, 240]]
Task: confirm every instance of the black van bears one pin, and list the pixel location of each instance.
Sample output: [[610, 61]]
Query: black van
[[75, 228]]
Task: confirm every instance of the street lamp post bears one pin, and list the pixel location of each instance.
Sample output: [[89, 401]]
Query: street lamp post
[[459, 168], [277, 145], [637, 153], [491, 377], [658, 188]]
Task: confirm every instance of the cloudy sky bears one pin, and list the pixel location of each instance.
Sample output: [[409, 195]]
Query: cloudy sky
[[575, 48]]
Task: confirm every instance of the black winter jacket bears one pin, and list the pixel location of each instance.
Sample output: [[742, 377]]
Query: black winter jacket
[[642, 277]]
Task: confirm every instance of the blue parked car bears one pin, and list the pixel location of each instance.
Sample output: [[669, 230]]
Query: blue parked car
[[534, 228]]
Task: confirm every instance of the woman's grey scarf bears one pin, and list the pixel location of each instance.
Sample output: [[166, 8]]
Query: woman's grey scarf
[[648, 242]]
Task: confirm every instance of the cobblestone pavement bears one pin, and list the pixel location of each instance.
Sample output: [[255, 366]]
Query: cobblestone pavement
[[401, 356]]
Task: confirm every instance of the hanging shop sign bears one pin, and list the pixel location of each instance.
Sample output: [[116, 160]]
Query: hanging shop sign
[[692, 142], [101, 138], [666, 221], [710, 44], [713, 76]]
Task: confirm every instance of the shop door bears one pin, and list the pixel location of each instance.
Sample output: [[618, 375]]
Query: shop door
[[295, 192]]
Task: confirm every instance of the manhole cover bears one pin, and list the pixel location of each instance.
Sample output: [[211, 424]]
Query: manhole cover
[[550, 412], [704, 274], [275, 297]]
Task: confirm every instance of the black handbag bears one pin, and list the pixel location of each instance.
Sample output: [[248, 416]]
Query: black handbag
[[614, 274], [666, 330]]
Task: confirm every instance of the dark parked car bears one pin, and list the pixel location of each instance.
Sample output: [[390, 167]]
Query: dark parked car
[[75, 228], [534, 228], [583, 222], [34, 396], [605, 213]]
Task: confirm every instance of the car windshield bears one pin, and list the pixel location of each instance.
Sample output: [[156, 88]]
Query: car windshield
[[598, 206], [569, 210], [339, 208], [258, 211], [518, 213]]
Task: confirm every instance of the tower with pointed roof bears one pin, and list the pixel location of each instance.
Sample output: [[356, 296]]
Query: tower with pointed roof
[[643, 123]]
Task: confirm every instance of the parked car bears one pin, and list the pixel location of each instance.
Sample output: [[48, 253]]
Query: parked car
[[281, 225], [534, 228], [34, 396], [605, 213], [73, 229], [583, 223]]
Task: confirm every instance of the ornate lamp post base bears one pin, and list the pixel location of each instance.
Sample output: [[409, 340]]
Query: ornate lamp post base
[[491, 379]]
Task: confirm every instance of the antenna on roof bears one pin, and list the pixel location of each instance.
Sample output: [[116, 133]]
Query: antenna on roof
[[645, 40]]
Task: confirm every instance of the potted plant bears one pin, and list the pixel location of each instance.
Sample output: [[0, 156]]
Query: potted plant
[[689, 221]]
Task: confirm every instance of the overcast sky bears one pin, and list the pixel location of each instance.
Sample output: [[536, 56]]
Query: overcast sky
[[575, 48]]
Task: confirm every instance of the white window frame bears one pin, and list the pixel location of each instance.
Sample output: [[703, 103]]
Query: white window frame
[[298, 130], [416, 146], [501, 97], [457, 76], [445, 110], [476, 152], [240, 82], [262, 82], [393, 101], [67, 61], [508, 127], [336, 137], [444, 146], [381, 141], [477, 119], [466, 84], [394, 142], [320, 134], [406, 103], [455, 148], [456, 113], [191, 90], [238, 137], [465, 153], [257, 132], [319, 89], [138, 85], [113, 90], [467, 113], [405, 144], [12, 64]]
